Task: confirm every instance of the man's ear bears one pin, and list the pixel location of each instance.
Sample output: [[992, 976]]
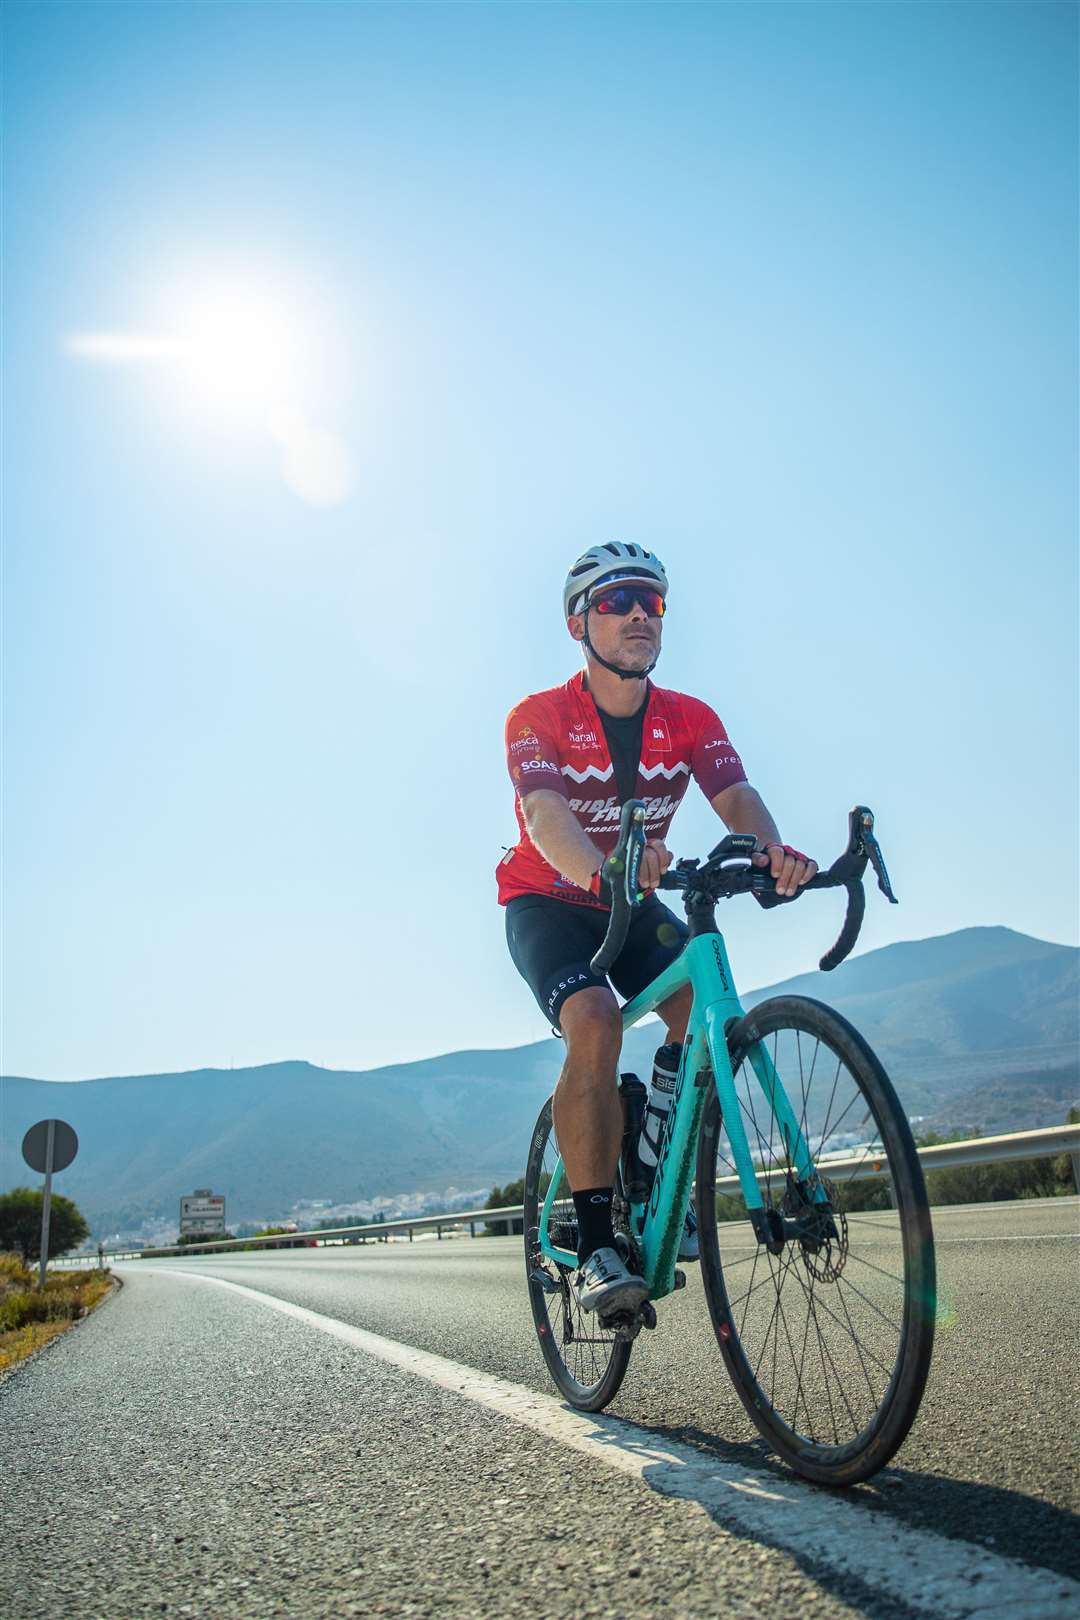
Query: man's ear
[[576, 626]]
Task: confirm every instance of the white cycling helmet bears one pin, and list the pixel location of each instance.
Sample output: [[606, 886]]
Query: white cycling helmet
[[602, 564]]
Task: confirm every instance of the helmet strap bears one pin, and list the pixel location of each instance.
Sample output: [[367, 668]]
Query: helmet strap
[[623, 674]]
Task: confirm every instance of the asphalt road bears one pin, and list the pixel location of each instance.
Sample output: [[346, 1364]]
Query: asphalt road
[[190, 1451]]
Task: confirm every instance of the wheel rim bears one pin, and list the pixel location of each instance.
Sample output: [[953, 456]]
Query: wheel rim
[[820, 1330], [569, 1335]]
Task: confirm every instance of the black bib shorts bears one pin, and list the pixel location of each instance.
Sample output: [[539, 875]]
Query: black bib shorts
[[552, 943]]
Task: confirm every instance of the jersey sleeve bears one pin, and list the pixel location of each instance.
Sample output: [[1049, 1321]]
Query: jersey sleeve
[[532, 755], [713, 760]]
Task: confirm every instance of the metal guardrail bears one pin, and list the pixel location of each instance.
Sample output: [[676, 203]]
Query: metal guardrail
[[1040, 1144]]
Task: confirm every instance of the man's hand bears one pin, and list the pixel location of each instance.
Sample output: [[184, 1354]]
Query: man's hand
[[789, 867], [655, 860]]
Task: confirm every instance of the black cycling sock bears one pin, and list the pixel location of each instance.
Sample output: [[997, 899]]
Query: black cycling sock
[[595, 1231]]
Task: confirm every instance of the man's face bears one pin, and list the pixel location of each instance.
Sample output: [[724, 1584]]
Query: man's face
[[631, 639]]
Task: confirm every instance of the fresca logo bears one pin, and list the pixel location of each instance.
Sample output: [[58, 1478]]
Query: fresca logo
[[564, 984]]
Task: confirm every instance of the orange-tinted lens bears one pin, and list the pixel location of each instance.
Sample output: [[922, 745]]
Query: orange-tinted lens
[[621, 600]]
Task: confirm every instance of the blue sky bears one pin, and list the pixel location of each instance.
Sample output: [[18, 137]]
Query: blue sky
[[786, 293]]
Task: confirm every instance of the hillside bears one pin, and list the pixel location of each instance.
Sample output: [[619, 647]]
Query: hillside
[[977, 1028]]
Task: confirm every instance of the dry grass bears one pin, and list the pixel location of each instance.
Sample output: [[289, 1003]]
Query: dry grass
[[30, 1317]]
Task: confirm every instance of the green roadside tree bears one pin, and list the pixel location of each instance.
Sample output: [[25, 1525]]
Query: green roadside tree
[[502, 1198], [20, 1224]]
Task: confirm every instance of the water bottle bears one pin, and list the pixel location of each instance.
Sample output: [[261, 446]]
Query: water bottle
[[635, 1096], [664, 1075]]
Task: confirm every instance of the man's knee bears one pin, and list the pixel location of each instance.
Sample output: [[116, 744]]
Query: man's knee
[[591, 1024]]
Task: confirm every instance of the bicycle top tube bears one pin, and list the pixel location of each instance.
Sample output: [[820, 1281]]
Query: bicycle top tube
[[728, 870]]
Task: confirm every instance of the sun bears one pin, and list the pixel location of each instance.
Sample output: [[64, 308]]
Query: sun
[[243, 350], [251, 353]]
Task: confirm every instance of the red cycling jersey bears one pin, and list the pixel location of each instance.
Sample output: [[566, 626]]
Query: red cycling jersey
[[556, 740]]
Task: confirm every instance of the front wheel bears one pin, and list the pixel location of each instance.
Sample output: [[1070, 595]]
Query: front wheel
[[586, 1359], [827, 1329]]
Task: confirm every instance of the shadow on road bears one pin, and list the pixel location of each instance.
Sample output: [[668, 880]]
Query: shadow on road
[[1002, 1521]]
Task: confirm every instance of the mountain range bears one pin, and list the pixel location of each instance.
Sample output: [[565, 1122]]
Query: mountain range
[[978, 1030]]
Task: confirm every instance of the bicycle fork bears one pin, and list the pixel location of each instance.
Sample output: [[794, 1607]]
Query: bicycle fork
[[802, 1182]]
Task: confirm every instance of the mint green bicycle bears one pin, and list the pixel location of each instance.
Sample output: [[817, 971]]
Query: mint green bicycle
[[823, 1303]]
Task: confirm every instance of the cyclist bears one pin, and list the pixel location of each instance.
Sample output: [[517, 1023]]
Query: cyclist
[[575, 754]]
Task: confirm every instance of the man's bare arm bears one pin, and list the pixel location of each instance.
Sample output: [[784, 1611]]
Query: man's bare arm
[[551, 826], [742, 809]]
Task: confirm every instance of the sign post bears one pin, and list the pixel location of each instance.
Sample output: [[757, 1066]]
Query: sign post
[[49, 1145]]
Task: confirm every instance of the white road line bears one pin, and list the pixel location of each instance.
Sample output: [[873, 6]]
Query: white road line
[[943, 1578], [894, 1241], [1011, 1237]]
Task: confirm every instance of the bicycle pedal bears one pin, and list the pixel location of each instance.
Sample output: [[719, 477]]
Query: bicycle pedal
[[680, 1280], [544, 1280]]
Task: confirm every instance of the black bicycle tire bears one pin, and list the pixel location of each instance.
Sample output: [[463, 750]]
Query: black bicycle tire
[[878, 1442], [586, 1397]]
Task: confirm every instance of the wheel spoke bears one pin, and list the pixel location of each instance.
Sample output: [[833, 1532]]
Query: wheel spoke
[[871, 1267], [848, 1106], [812, 1304], [896, 1327], [870, 1151], [768, 1330], [749, 1291], [858, 1349], [846, 1327], [832, 1097]]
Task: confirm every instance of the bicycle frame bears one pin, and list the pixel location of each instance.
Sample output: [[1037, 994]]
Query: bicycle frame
[[703, 964]]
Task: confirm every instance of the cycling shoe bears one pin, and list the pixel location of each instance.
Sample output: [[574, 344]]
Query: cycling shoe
[[604, 1285]]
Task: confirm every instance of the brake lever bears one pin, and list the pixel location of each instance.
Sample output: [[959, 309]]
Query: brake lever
[[861, 824], [635, 850]]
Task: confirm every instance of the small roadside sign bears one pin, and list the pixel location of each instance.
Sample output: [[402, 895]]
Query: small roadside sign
[[48, 1146], [202, 1214], [35, 1146]]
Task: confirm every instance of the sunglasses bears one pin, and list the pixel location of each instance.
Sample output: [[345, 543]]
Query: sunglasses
[[621, 600]]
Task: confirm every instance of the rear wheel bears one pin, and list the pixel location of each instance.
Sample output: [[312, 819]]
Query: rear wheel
[[827, 1329], [586, 1359]]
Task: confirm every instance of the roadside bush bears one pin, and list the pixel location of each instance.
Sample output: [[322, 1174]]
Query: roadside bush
[[64, 1298], [991, 1183]]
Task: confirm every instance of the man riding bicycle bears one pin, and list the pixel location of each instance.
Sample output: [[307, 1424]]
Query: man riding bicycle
[[576, 753]]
